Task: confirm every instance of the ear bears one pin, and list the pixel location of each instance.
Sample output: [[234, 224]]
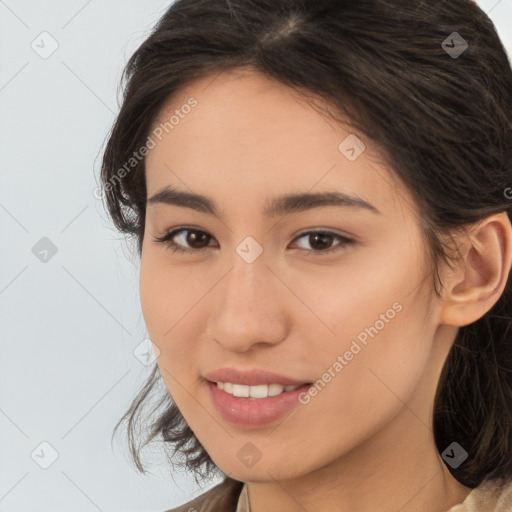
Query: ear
[[480, 273]]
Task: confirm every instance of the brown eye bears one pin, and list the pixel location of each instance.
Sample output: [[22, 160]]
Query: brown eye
[[321, 242], [194, 241]]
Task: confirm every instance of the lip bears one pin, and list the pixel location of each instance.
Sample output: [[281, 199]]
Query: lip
[[250, 377], [253, 412]]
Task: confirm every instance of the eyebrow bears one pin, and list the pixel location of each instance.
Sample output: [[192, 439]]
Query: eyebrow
[[281, 205]]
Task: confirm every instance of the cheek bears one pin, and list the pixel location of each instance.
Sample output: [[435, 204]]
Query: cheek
[[376, 321], [359, 292], [391, 367], [170, 299], [361, 392], [166, 293], [162, 308], [388, 365], [154, 301]]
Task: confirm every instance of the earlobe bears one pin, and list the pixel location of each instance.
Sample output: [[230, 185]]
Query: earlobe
[[480, 274]]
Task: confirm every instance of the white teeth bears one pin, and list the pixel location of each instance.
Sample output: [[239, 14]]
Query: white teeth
[[239, 390], [260, 391]]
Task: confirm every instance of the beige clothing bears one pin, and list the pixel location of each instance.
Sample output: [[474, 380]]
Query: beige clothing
[[489, 496], [231, 496]]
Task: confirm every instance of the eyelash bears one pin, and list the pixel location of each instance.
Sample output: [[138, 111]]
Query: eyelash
[[170, 244]]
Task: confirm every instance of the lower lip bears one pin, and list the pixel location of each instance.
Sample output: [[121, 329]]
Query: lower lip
[[254, 412]]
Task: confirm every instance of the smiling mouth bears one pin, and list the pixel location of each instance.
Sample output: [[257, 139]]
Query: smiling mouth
[[258, 391], [254, 406]]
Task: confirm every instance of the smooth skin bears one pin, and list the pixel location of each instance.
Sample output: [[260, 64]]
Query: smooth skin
[[365, 441]]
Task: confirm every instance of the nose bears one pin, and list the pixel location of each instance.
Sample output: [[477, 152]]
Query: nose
[[250, 307]]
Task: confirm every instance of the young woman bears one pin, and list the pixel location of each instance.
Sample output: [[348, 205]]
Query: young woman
[[320, 193]]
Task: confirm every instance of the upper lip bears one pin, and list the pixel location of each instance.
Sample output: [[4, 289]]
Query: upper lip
[[252, 377]]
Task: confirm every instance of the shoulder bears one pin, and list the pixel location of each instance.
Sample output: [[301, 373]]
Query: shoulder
[[489, 496], [501, 491], [221, 498]]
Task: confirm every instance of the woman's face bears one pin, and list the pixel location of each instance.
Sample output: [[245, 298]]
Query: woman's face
[[359, 322]]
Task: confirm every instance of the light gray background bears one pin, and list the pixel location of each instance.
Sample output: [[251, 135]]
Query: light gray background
[[70, 325]]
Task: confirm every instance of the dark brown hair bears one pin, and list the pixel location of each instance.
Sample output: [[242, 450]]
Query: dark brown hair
[[442, 121]]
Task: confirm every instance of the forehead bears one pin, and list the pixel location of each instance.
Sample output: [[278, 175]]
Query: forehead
[[248, 137]]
